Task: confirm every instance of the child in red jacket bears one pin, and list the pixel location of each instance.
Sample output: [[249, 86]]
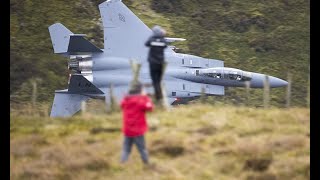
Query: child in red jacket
[[134, 123]]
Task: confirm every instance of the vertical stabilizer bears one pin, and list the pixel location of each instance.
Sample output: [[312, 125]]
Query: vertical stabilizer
[[60, 36], [64, 41]]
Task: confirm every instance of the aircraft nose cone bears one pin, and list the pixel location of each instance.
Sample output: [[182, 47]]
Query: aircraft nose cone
[[276, 82]]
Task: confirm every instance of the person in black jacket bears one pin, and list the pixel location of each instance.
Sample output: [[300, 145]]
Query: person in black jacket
[[157, 44]]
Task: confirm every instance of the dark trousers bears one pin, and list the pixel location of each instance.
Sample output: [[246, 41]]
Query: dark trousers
[[140, 143], [156, 71]]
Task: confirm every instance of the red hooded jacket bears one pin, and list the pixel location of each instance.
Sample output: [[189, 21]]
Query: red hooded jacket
[[134, 108]]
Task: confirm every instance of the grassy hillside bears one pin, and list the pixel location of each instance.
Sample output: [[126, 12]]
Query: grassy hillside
[[31, 52], [269, 37], [188, 142]]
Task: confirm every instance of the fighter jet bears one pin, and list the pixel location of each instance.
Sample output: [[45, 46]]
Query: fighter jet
[[93, 70]]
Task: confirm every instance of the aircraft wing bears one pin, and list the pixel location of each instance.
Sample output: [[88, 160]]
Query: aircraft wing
[[122, 25]]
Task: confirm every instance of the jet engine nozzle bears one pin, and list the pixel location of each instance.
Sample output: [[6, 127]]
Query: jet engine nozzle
[[73, 64], [80, 63]]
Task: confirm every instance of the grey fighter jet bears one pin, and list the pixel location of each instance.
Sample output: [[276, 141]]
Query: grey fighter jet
[[94, 70]]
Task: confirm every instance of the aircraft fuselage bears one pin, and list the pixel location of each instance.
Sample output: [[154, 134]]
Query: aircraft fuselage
[[104, 70]]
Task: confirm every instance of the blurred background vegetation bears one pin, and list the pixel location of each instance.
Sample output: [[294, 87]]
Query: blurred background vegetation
[[270, 37], [189, 142]]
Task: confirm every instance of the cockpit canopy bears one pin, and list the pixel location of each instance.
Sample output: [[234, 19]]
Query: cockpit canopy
[[225, 73]]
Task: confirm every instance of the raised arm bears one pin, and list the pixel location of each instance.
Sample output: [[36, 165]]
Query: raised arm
[[147, 43], [148, 105]]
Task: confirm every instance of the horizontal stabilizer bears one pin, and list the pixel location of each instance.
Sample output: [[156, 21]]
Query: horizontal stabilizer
[[79, 84], [78, 43], [66, 105]]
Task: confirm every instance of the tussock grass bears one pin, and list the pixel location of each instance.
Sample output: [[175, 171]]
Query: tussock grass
[[187, 142]]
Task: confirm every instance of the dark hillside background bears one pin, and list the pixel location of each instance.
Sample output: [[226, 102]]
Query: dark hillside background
[[271, 37]]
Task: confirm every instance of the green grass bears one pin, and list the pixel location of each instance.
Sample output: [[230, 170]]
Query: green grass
[[187, 142]]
